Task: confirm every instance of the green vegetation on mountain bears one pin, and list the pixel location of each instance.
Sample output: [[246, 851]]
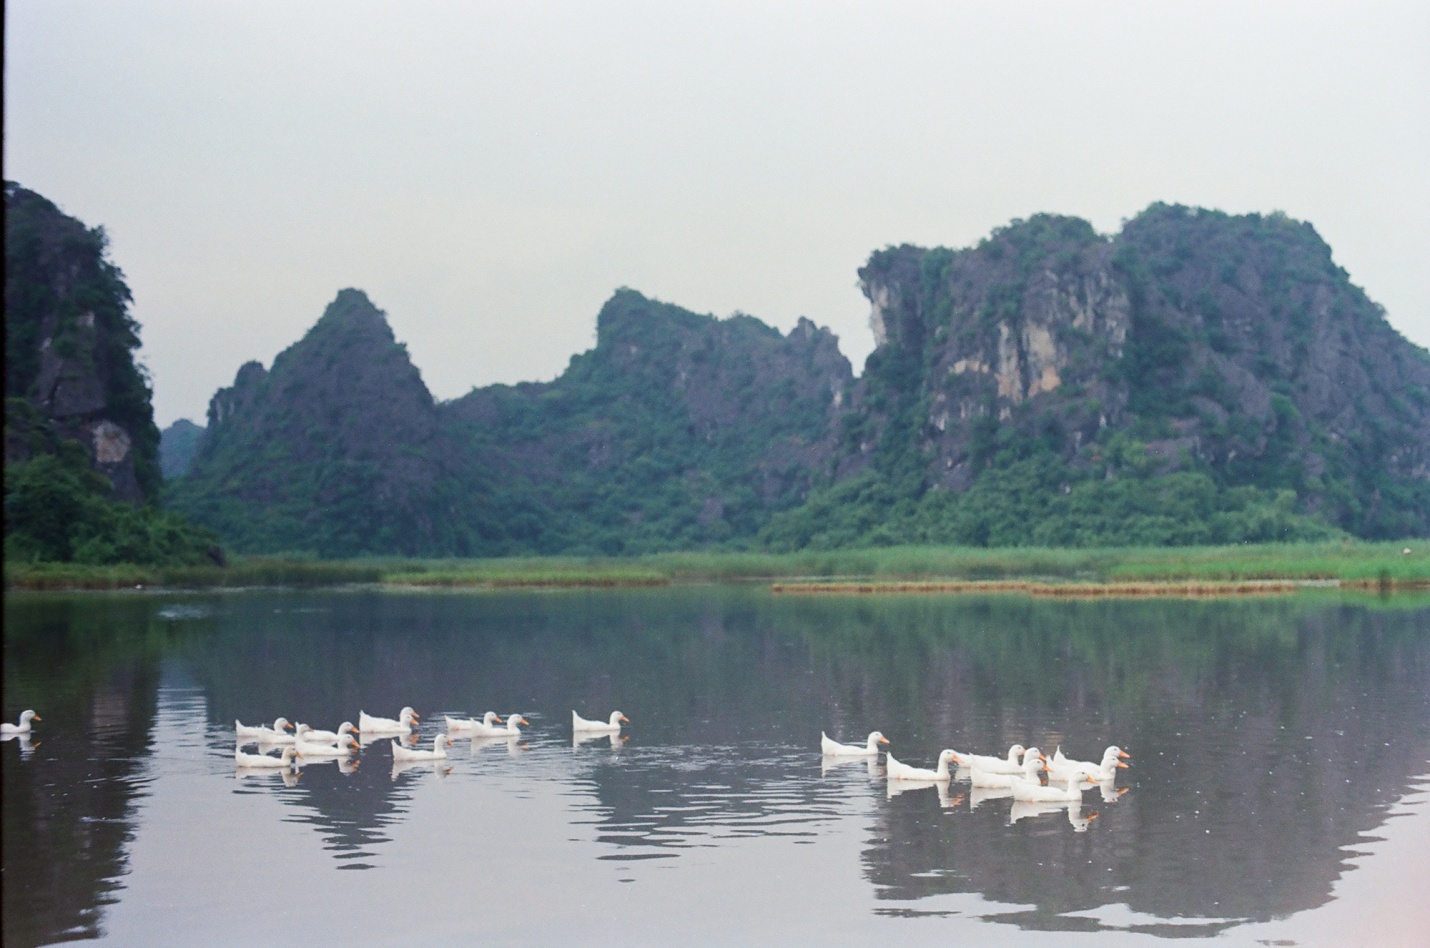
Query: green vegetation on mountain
[[81, 448], [338, 450], [178, 444], [1197, 378], [676, 431]]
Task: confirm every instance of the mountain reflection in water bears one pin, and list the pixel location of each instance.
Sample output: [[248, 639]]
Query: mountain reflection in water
[[1267, 738]]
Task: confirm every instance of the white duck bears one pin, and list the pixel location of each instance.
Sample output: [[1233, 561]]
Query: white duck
[[319, 749], [15, 730], [440, 743], [368, 724], [898, 771], [265, 760], [832, 748], [1030, 792], [1062, 768], [1032, 766], [483, 727], [613, 726], [277, 734], [509, 732], [997, 765], [314, 736]]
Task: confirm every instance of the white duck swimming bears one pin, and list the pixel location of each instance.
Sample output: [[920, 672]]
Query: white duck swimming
[[440, 743], [613, 726], [833, 748], [483, 727], [1030, 792], [997, 765], [277, 734], [348, 745], [898, 771], [368, 724], [1032, 766], [264, 760], [1062, 768], [509, 732], [15, 730], [314, 736]]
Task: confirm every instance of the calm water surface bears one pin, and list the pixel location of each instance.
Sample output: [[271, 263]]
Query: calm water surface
[[1276, 795]]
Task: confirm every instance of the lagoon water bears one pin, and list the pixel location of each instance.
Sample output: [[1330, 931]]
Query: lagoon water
[[1276, 795]]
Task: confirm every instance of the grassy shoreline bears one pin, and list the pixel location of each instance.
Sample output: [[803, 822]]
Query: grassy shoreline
[[1099, 571]]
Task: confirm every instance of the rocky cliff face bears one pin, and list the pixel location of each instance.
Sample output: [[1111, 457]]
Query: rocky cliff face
[[69, 349], [1196, 378], [337, 449], [1229, 345], [178, 444], [676, 429]]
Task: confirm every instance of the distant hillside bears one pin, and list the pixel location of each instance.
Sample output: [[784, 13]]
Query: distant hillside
[[677, 430], [178, 444], [339, 449], [1196, 378], [81, 447]]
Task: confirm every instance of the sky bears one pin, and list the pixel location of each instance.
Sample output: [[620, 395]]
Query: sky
[[491, 172]]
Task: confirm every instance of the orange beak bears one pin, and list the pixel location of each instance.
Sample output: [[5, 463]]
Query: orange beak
[[288, 726], [1121, 765], [37, 718], [883, 740], [521, 720], [626, 719], [416, 715], [498, 719], [1124, 755]]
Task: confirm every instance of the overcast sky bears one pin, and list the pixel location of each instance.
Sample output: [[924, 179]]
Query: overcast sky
[[490, 173]]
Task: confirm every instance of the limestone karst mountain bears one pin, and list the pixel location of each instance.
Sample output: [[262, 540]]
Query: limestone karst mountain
[[1197, 377], [81, 448]]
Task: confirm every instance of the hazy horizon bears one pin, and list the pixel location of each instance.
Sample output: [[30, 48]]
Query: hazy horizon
[[489, 174]]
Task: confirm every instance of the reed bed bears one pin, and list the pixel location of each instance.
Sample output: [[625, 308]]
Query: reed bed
[[1220, 570], [1069, 590]]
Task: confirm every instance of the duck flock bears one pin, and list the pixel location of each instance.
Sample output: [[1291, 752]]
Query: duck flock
[[308, 743], [1019, 775]]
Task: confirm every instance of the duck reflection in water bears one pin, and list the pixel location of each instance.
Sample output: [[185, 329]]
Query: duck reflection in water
[[27, 746], [829, 764], [289, 777], [438, 767], [514, 745], [1023, 809], [946, 800], [617, 741]]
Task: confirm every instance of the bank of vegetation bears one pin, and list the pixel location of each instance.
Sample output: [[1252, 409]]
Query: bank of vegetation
[[1120, 570]]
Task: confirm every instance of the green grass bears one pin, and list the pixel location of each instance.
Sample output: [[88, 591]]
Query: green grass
[[245, 571], [1367, 564]]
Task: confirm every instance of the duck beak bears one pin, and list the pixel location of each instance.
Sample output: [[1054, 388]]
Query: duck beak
[[1121, 765], [37, 718], [1124, 755], [625, 719], [523, 721], [885, 740], [498, 719]]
